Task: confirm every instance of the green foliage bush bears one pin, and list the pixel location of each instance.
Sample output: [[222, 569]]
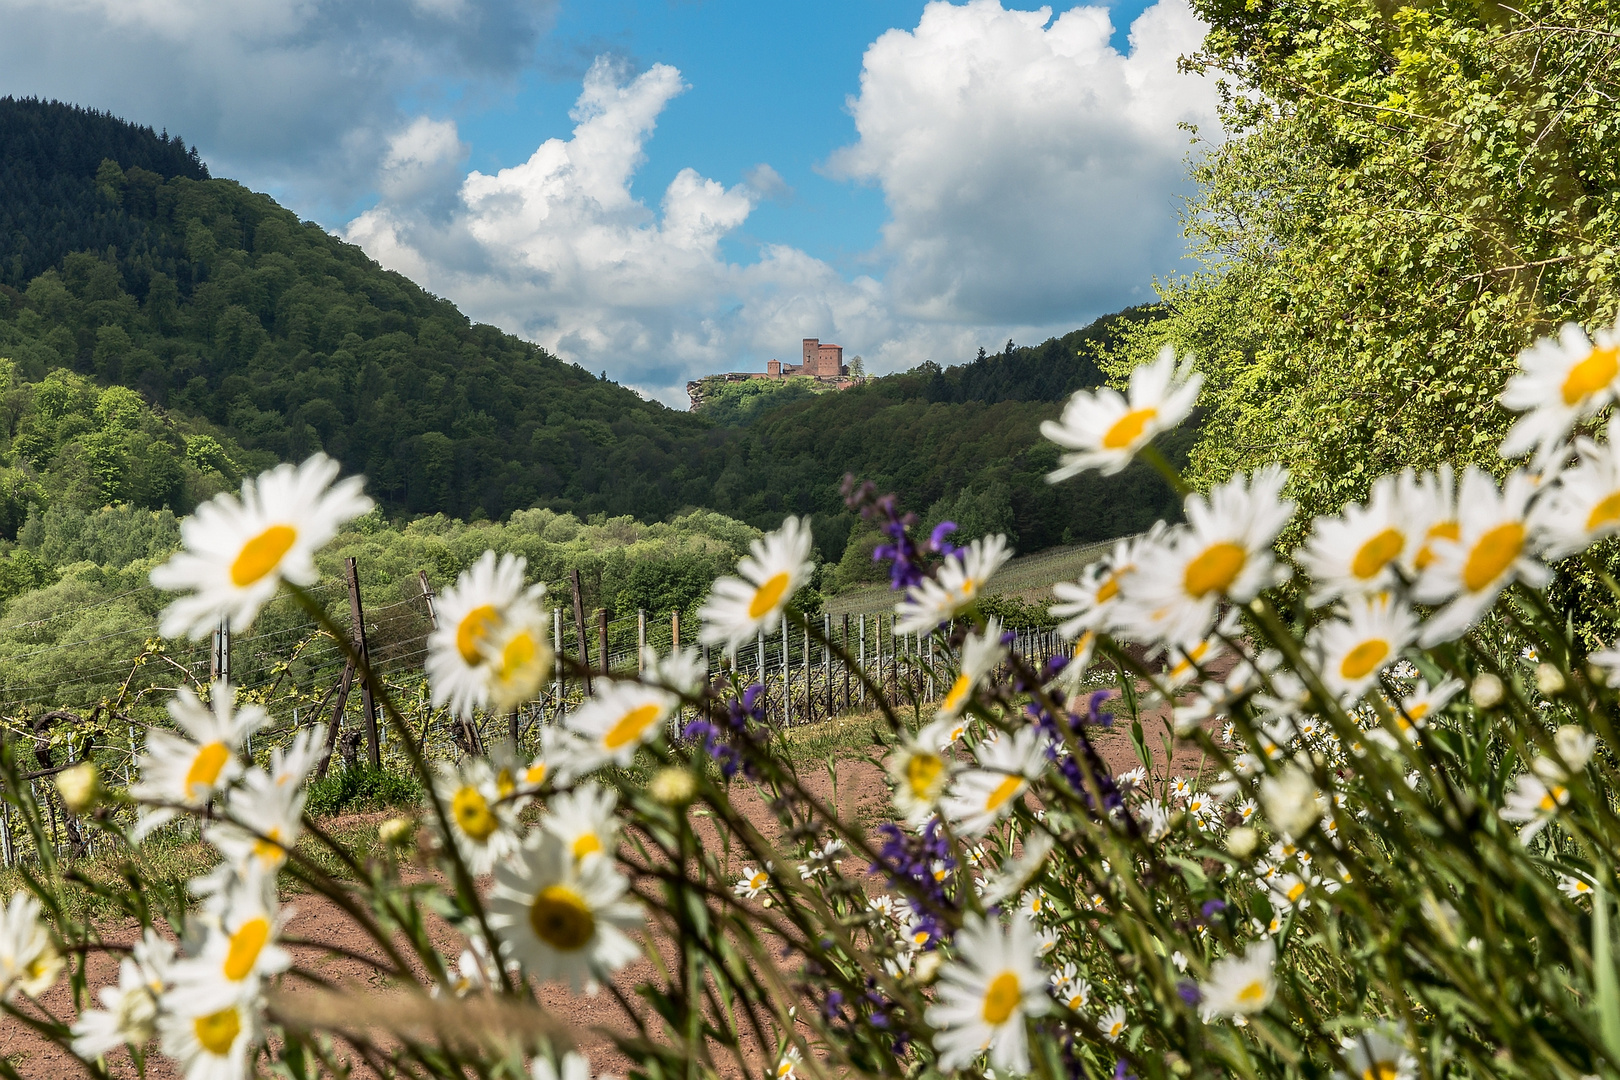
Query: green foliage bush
[[361, 788]]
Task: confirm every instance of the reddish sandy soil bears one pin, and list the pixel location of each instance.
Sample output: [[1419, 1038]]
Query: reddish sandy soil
[[862, 793]]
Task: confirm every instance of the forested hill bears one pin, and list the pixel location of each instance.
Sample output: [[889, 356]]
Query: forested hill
[[250, 336], [124, 261]]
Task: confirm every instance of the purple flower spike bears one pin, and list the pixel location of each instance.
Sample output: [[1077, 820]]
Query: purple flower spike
[[1212, 907], [937, 539], [1189, 992]]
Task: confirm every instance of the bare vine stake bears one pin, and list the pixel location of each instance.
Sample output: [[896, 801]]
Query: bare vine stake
[[579, 629], [357, 616]]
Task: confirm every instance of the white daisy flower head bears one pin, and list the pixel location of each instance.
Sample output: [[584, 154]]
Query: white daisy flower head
[[920, 772], [738, 608], [981, 653], [1103, 429], [216, 1043], [129, 1010], [571, 1066], [1428, 504], [474, 614], [1534, 803], [982, 796], [583, 820], [29, 960], [1575, 887], [1240, 986], [186, 771], [239, 950], [1224, 552], [290, 765], [1017, 872], [518, 658], [787, 1065], [236, 552], [1583, 507], [482, 825], [1289, 891], [561, 918], [681, 672], [1353, 649], [1494, 547], [1090, 603], [262, 822], [1380, 1053], [1425, 700], [951, 591], [1291, 800], [751, 882], [618, 719], [1073, 991], [1112, 1023], [1184, 663], [1358, 551], [1560, 382], [985, 993]]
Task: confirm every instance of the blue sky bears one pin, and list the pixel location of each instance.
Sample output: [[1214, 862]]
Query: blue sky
[[661, 189]]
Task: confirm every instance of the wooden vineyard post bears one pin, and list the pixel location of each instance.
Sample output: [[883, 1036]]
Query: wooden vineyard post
[[357, 616], [556, 653], [641, 638], [787, 679], [601, 638], [675, 631], [427, 597], [579, 629], [826, 660], [861, 656]]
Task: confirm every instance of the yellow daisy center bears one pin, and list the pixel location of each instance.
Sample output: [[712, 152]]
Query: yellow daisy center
[[558, 916], [472, 813], [1001, 998], [1364, 659], [630, 727], [246, 944], [586, 844], [757, 881], [518, 655], [1214, 569], [1252, 994], [474, 627], [1445, 530], [1551, 799], [505, 782], [205, 768], [957, 694], [217, 1032], [269, 850], [1606, 512], [1492, 554], [536, 774], [1110, 586], [1591, 375], [1418, 710], [1128, 429], [1003, 791], [262, 554], [923, 772], [1295, 891], [1380, 1070], [768, 595], [785, 1068], [1375, 554]]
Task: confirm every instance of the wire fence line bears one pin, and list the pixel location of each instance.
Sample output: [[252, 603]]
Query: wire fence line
[[296, 670]]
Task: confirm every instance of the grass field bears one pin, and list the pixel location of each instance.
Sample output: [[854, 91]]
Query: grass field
[[1029, 577]]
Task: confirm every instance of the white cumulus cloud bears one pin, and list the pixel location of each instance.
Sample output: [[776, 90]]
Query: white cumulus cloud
[[1030, 170]]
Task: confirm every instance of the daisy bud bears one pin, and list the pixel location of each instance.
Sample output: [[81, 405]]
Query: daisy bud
[[1487, 690], [673, 786], [1574, 746], [1290, 800], [926, 967], [80, 787], [1549, 680], [396, 832], [1242, 841]]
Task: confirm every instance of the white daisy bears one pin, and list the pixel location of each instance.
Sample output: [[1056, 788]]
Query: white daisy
[[1574, 887], [186, 772], [1073, 991], [1533, 802], [1291, 800], [1378, 1053], [787, 1065], [1559, 383], [1356, 553], [616, 721], [1112, 1024], [1016, 873], [985, 993], [984, 795], [1429, 508], [1240, 986], [236, 552], [1352, 650], [1493, 549], [953, 589], [482, 825], [980, 655], [562, 918], [214, 1044], [1425, 700], [262, 822], [1584, 506], [920, 773], [752, 882], [1104, 430], [517, 656], [129, 1011], [1289, 891], [738, 608], [290, 764], [1222, 553], [573, 1066], [474, 615], [29, 962], [583, 820], [240, 947]]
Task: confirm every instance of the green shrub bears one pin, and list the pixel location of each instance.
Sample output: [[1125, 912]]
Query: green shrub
[[361, 788]]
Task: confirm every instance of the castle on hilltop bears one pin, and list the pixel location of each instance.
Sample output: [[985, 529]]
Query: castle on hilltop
[[820, 360]]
